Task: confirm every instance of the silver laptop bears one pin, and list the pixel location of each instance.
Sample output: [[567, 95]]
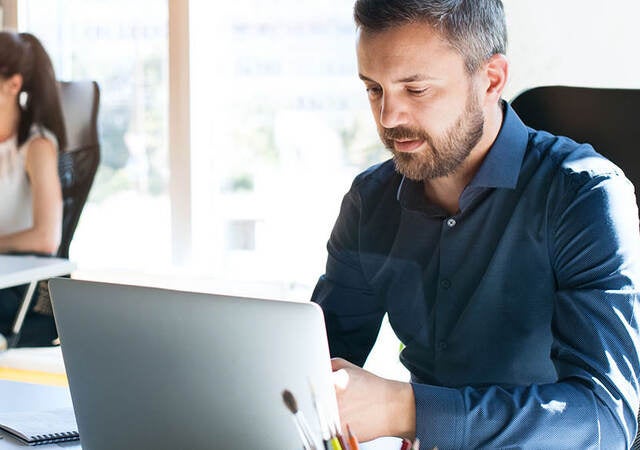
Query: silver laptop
[[159, 369]]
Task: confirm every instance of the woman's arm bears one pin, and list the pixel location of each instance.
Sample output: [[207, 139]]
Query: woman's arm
[[41, 165]]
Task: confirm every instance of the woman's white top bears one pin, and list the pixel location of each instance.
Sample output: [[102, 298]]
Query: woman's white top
[[16, 206]]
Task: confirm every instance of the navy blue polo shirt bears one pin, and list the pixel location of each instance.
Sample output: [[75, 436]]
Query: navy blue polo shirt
[[518, 313]]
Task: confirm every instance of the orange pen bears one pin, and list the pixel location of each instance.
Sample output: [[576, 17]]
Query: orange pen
[[353, 442]]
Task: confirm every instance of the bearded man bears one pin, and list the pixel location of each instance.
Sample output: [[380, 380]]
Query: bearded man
[[506, 258]]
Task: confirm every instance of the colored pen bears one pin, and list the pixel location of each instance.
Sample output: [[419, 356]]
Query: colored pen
[[335, 434], [322, 420], [335, 444], [353, 442], [343, 443], [303, 429]]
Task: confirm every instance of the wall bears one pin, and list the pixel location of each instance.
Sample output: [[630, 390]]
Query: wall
[[573, 42]]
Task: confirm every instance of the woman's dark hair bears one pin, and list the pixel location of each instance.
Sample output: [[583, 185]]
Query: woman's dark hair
[[475, 28], [22, 53]]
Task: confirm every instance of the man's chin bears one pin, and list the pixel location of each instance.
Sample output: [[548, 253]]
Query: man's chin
[[419, 170], [409, 169]]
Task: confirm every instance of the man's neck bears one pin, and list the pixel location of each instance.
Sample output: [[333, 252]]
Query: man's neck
[[445, 191]]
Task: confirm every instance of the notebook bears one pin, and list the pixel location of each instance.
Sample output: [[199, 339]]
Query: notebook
[[158, 369], [41, 427]]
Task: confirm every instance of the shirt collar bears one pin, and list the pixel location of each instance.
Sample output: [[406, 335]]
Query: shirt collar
[[501, 165], [500, 168]]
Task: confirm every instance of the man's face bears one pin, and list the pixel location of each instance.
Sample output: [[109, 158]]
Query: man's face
[[425, 104]]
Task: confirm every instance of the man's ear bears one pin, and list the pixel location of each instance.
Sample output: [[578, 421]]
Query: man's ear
[[496, 74], [13, 84]]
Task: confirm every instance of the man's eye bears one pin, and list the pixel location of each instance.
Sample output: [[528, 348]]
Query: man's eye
[[374, 91], [417, 91]]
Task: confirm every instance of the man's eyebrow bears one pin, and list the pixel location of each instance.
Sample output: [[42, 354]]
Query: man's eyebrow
[[412, 78], [409, 79]]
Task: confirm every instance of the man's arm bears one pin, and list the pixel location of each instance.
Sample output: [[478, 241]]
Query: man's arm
[[352, 312]]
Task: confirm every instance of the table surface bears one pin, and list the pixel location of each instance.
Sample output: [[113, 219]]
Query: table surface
[[34, 365], [22, 269]]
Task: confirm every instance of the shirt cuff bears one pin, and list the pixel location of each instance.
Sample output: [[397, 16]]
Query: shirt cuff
[[439, 416]]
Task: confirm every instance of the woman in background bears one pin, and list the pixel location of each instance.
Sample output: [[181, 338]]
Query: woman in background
[[31, 133]]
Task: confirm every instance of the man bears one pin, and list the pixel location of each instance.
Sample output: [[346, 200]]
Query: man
[[507, 259]]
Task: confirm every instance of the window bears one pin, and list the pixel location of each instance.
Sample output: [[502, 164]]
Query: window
[[122, 45], [280, 126]]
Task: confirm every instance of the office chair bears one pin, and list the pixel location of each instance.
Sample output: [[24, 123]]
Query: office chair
[[77, 166], [604, 118]]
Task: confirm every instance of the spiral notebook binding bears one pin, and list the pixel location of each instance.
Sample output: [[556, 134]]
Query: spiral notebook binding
[[41, 439]]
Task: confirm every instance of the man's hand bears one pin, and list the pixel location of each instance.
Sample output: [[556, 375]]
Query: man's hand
[[373, 406]]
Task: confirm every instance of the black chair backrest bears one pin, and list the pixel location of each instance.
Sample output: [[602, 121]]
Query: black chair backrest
[[605, 118], [78, 163]]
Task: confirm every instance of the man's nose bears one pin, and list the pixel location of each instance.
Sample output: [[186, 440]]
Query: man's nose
[[392, 112]]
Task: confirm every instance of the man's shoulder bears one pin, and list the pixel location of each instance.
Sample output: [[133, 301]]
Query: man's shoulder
[[574, 161], [376, 186], [379, 173]]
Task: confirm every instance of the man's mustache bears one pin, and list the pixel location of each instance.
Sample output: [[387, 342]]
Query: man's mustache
[[403, 133]]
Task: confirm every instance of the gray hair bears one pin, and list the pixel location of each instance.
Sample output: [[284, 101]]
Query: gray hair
[[475, 28]]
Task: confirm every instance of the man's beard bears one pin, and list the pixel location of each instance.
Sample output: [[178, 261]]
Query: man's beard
[[443, 155]]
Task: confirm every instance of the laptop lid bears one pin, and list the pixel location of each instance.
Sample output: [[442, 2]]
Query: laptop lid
[[154, 368]]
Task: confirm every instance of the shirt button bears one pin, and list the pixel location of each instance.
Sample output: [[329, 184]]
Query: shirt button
[[446, 284], [451, 222], [441, 346]]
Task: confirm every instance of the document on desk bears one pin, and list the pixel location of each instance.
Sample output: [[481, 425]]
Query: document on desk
[[41, 427]]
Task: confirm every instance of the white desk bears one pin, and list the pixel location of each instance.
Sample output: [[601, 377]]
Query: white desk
[[22, 269], [16, 270]]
